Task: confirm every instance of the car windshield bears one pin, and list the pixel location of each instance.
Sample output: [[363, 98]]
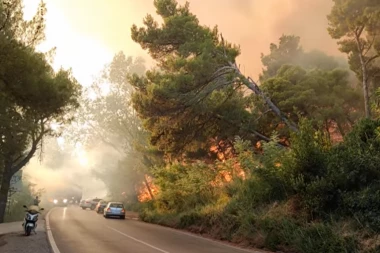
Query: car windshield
[[115, 205]]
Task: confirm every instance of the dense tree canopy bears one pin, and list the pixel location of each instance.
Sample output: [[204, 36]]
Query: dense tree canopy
[[194, 99], [289, 51], [325, 97], [32, 94], [357, 24]]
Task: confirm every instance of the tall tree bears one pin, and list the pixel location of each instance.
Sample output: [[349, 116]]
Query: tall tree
[[107, 117], [194, 99], [357, 24], [324, 97], [307, 83], [32, 95], [290, 51]]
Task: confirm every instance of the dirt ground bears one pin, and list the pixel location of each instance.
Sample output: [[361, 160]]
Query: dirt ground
[[19, 243]]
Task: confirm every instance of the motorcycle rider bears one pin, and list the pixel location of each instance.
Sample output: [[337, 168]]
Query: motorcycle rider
[[36, 201]]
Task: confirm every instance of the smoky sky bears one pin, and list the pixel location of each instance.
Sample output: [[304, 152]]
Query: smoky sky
[[254, 24]]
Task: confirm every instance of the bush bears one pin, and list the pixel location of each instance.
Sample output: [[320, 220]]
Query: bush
[[364, 206], [288, 199]]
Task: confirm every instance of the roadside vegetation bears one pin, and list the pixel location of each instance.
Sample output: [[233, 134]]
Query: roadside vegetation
[[33, 97], [24, 196], [290, 163]]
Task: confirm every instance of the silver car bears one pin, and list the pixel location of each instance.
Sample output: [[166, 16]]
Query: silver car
[[114, 209]]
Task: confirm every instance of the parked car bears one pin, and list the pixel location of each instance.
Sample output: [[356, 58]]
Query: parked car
[[85, 203], [94, 203], [89, 203], [114, 209], [100, 206]]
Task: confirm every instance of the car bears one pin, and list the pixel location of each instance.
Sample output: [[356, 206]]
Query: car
[[100, 206], [85, 203], [114, 209], [94, 203], [60, 202]]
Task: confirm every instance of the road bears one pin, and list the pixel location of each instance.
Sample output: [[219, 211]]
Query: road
[[83, 231]]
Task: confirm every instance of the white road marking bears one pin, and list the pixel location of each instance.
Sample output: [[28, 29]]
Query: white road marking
[[137, 240], [50, 234]]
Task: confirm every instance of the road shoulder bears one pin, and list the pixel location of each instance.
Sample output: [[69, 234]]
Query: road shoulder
[[135, 216], [13, 240]]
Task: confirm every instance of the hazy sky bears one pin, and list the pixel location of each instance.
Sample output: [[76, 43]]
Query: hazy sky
[[88, 32]]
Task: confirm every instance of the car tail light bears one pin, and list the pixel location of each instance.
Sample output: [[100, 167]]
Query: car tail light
[[122, 210], [108, 209]]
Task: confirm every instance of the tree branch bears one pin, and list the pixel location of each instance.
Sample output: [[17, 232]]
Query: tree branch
[[254, 132], [31, 152], [369, 60], [370, 45], [6, 20]]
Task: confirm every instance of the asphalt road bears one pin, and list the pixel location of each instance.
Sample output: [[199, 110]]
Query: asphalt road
[[83, 231]]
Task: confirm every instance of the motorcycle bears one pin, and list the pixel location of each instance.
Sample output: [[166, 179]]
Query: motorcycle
[[30, 220]]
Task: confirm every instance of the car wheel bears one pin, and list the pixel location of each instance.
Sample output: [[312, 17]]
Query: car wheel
[[106, 216], [83, 208], [122, 217]]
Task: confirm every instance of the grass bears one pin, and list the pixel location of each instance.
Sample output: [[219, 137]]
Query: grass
[[273, 227]]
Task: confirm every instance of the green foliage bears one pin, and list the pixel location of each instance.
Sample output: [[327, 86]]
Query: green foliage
[[185, 187], [279, 198], [364, 205], [357, 24], [16, 211], [313, 238], [323, 96], [189, 102], [286, 193], [32, 95], [289, 51]]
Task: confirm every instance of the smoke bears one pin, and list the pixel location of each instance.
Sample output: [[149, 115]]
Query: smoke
[[61, 167], [254, 24]]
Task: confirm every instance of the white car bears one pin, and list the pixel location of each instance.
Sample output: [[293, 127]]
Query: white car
[[85, 203], [89, 203]]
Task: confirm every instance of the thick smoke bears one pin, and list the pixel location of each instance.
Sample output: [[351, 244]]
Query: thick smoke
[[62, 167], [254, 24]]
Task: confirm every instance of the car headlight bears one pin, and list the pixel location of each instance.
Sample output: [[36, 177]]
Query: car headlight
[[65, 201], [55, 201]]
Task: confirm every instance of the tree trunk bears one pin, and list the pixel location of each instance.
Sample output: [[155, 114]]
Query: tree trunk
[[4, 188], [363, 64], [367, 105], [340, 128], [148, 187], [255, 88]]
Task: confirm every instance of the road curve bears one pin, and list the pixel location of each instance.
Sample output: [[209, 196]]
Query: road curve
[[83, 231]]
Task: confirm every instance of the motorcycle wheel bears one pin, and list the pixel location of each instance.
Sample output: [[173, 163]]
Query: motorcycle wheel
[[28, 231]]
